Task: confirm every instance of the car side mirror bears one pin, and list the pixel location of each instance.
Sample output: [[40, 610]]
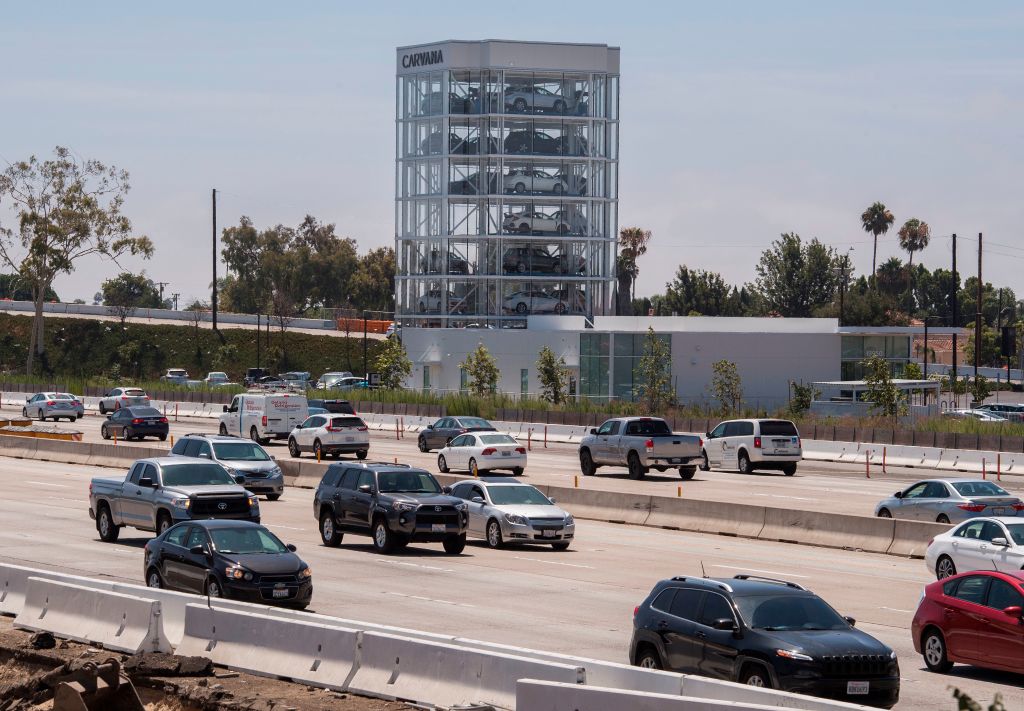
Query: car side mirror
[[551, 500], [898, 494], [225, 408], [430, 427], [725, 623], [446, 489], [707, 435], [366, 488], [196, 550], [478, 499], [1000, 541], [852, 622], [593, 430], [239, 478], [291, 547], [1014, 611], [146, 482], [28, 399]]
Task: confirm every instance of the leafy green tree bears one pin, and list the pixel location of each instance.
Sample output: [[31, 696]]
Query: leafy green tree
[[553, 376], [990, 351], [224, 356], [127, 292], [885, 398], [912, 371], [393, 364], [653, 374], [633, 243], [373, 285], [67, 209], [795, 278], [980, 388], [914, 237], [876, 220], [893, 278], [703, 292], [13, 287], [726, 385], [481, 371], [803, 395]]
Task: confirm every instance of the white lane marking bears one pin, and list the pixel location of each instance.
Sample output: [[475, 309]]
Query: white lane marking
[[555, 562], [430, 599], [755, 570], [416, 565], [290, 528], [896, 609], [781, 496], [123, 552], [47, 483]]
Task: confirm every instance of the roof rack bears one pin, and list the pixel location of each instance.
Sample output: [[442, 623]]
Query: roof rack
[[378, 464], [777, 581], [208, 434], [720, 583]]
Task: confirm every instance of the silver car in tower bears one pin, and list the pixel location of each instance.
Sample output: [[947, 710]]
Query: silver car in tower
[[503, 512], [950, 501]]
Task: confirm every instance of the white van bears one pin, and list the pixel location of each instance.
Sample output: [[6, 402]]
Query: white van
[[263, 416], [747, 445]]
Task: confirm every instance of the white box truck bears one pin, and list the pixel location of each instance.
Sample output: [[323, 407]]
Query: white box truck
[[263, 416]]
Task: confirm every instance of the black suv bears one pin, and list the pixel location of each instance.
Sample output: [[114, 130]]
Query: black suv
[[393, 503], [762, 632]]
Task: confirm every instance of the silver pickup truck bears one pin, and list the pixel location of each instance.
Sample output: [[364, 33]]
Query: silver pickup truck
[[640, 444], [160, 492]]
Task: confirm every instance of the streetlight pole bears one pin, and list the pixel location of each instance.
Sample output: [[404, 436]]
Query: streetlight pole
[[926, 320]]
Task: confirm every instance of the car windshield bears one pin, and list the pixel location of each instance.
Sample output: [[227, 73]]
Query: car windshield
[[240, 452], [648, 427], [777, 428], [145, 412], [497, 439], [135, 392], [527, 495], [789, 613], [246, 541], [195, 474], [64, 396], [1016, 532], [978, 488], [408, 482], [347, 422], [475, 422]]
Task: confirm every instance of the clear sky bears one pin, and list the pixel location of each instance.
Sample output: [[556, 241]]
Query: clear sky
[[740, 120]]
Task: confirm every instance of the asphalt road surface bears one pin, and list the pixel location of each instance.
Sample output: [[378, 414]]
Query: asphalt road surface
[[579, 601]]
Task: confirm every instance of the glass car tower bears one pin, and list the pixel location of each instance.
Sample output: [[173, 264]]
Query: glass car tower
[[506, 181]]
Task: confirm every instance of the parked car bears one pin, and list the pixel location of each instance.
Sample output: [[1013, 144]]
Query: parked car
[[475, 183], [536, 143], [640, 444], [177, 376], [480, 453], [972, 618], [532, 180], [558, 222], [976, 414], [538, 259], [337, 407], [300, 378], [435, 264], [762, 632], [252, 376], [994, 543], [263, 416], [1011, 411], [392, 329], [217, 379], [240, 560], [44, 406], [332, 435], [747, 445], [239, 456], [327, 380], [122, 397], [502, 512], [949, 501], [440, 433], [353, 382], [432, 300], [159, 492], [534, 301], [136, 422], [530, 98], [394, 504]]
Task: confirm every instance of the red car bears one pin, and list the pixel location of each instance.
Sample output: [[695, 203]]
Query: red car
[[973, 618]]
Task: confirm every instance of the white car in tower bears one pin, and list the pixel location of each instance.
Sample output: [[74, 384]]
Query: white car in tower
[[534, 302], [481, 452], [993, 543], [557, 222], [530, 180]]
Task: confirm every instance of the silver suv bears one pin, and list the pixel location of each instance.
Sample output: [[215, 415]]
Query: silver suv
[[238, 456]]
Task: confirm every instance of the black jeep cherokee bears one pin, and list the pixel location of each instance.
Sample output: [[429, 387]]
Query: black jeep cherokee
[[392, 503], [762, 632]]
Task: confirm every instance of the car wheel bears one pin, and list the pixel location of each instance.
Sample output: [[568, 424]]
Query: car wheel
[[560, 545], [24, 412], [705, 465], [293, 448], [636, 469], [648, 659], [454, 545], [517, 471], [473, 468], [105, 525], [103, 432], [41, 418], [756, 675], [361, 454], [330, 535], [521, 267], [744, 464], [933, 649], [524, 229], [884, 513], [163, 522], [943, 518], [559, 308], [559, 107], [442, 464], [223, 430], [273, 497], [153, 579], [522, 308], [382, 539], [125, 433], [422, 307], [421, 443], [587, 463], [494, 538], [254, 435], [163, 438], [558, 189], [944, 567], [520, 188], [789, 469], [687, 473], [213, 588], [519, 105]]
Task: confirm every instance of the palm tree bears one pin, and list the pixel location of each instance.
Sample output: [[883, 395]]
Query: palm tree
[[876, 219], [633, 243], [914, 236]]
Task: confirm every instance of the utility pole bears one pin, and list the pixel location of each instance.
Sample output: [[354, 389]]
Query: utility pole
[[956, 316], [213, 301], [175, 296], [977, 317], [162, 284]]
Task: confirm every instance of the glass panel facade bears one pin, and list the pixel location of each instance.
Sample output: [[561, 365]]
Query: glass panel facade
[[506, 194], [855, 349], [612, 359]]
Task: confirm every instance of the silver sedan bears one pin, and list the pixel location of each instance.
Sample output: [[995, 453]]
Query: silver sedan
[[950, 501], [43, 406], [502, 511]]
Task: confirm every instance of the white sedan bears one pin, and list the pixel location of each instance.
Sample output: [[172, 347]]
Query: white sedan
[[480, 452], [537, 302], [994, 543]]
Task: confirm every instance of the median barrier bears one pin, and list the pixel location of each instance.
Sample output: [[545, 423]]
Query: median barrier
[[312, 653], [14, 585], [730, 519], [123, 623], [46, 449], [614, 506], [714, 690], [911, 538], [395, 667], [18, 447], [865, 533]]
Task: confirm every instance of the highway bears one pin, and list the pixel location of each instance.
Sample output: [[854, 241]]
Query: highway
[[579, 601]]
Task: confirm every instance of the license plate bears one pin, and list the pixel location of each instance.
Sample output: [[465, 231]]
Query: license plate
[[437, 528], [281, 593], [506, 454], [999, 511], [547, 534], [350, 439], [674, 460], [858, 688]]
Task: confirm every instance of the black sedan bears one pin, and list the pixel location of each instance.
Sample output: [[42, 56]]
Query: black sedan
[[231, 559], [135, 423], [441, 432]]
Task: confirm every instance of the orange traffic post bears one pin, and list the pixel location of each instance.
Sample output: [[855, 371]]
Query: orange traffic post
[[576, 481], [529, 439], [403, 427], [984, 474], [999, 466], [172, 440], [884, 450], [397, 436], [317, 456], [545, 436], [679, 492], [175, 412], [867, 464], [115, 437]]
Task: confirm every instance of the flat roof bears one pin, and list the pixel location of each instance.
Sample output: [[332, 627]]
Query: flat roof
[[898, 382], [531, 56]]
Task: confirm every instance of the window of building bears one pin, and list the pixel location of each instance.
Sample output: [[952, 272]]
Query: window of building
[[524, 382]]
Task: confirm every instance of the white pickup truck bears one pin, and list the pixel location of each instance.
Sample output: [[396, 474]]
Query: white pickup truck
[[640, 444]]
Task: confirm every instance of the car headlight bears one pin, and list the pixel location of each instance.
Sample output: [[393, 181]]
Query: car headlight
[[276, 471], [516, 519], [403, 506], [306, 573], [254, 503], [462, 507], [230, 471], [892, 655], [791, 654], [181, 502], [234, 572], [569, 520]]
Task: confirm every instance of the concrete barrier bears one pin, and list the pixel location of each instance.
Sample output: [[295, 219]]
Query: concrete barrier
[[312, 653], [826, 529], [614, 506], [729, 519], [699, 687], [911, 538], [123, 623], [14, 585]]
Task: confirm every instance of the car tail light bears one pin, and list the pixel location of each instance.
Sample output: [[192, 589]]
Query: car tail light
[[636, 611], [330, 428], [930, 543], [263, 420], [521, 450], [124, 397], [163, 420], [488, 452], [757, 443], [1018, 507], [364, 428], [700, 442], [972, 507], [136, 421], [799, 443], [50, 402], [649, 444]]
